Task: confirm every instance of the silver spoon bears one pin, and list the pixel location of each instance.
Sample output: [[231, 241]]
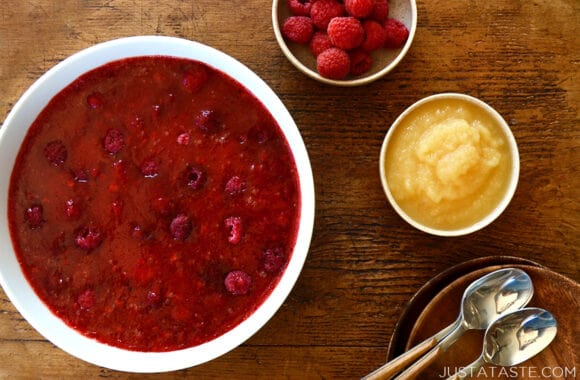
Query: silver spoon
[[483, 301], [513, 339], [487, 299]]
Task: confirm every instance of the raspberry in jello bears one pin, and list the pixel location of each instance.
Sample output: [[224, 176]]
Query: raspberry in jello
[[181, 227], [56, 152], [33, 216], [235, 185], [235, 229], [195, 177], [88, 237], [238, 282], [113, 141], [207, 121], [273, 259]]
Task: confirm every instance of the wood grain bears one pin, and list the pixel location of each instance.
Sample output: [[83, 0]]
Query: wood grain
[[365, 263]]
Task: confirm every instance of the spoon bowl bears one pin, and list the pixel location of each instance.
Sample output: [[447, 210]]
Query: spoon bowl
[[494, 295], [487, 299], [519, 336], [513, 339]]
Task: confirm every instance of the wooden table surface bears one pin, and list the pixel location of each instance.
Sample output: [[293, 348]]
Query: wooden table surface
[[520, 56]]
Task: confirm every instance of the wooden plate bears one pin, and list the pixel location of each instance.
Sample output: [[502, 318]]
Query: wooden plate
[[421, 299], [552, 291]]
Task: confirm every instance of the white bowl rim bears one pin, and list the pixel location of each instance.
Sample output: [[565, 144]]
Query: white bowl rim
[[19, 290], [349, 82], [515, 168]]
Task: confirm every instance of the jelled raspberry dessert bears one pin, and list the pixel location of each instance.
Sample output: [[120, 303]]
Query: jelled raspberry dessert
[[154, 204]]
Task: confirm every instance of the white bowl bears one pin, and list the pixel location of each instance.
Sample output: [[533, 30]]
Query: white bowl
[[384, 60], [513, 170], [12, 134]]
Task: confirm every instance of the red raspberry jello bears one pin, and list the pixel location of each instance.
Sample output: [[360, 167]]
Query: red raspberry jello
[[154, 204]]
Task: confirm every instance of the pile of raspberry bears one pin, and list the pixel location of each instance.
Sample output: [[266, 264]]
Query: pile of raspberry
[[342, 34]]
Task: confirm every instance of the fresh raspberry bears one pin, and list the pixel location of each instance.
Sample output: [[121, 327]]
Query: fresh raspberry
[[235, 186], [194, 78], [71, 208], [55, 152], [95, 100], [113, 141], [33, 216], [181, 227], [360, 62], [381, 11], [298, 29], [333, 63], [88, 238], [238, 282], [150, 168], [359, 8], [300, 7], [323, 11], [194, 177], [234, 227], [183, 138], [273, 259], [87, 299], [397, 33], [345, 32], [375, 35], [319, 42], [207, 121]]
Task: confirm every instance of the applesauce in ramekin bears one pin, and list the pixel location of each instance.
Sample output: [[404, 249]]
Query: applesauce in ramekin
[[449, 163]]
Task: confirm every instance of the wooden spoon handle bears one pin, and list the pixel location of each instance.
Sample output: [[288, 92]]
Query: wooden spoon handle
[[413, 371], [429, 357], [398, 364]]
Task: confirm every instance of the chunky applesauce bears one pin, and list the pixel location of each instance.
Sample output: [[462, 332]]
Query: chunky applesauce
[[448, 164]]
